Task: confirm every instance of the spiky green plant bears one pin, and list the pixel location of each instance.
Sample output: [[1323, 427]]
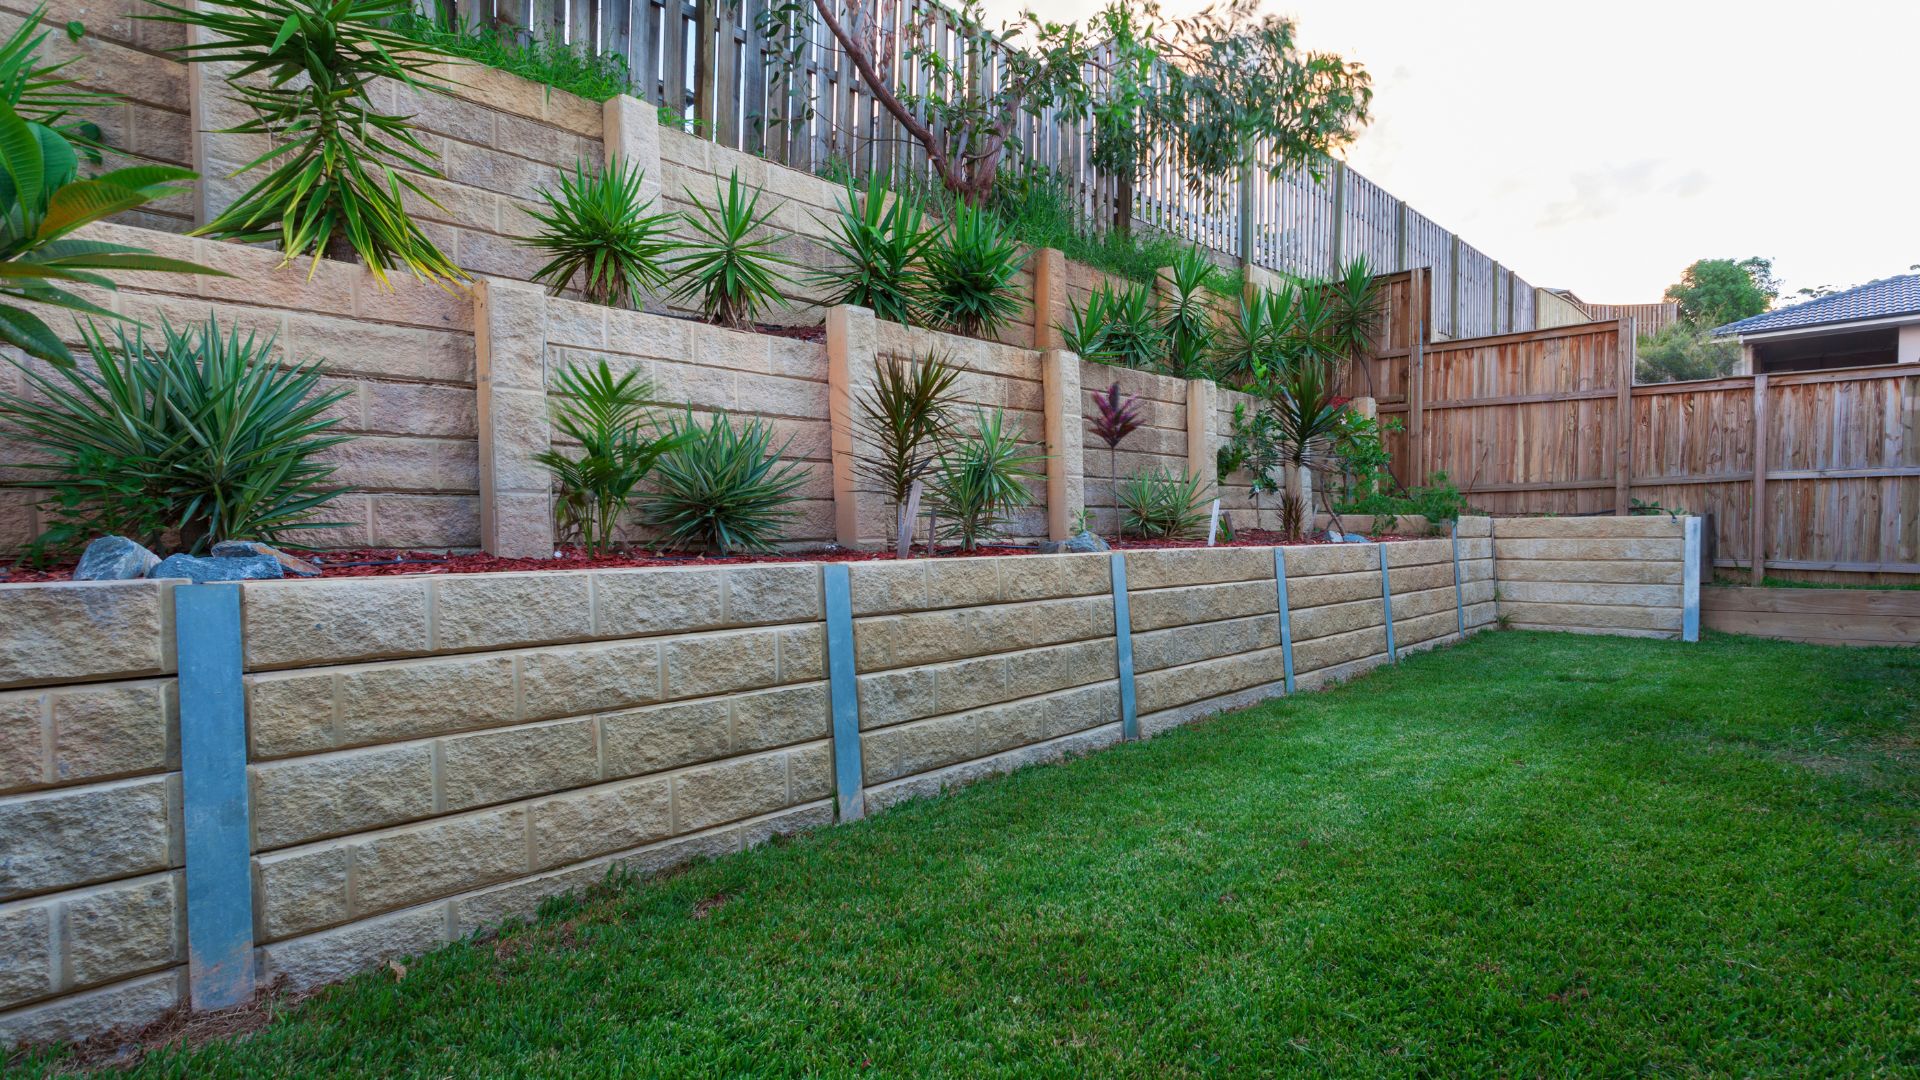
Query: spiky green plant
[[1357, 301], [40, 94], [983, 478], [1307, 420], [620, 443], [1085, 330], [200, 437], [1163, 505], [1187, 320], [880, 242], [1133, 336], [903, 419], [970, 271], [723, 487], [337, 167], [730, 266], [599, 233]]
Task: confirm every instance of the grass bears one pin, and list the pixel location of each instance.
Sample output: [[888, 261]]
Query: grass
[[1787, 583], [1531, 854], [594, 76]]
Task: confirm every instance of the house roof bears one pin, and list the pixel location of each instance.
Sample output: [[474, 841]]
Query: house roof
[[1886, 298]]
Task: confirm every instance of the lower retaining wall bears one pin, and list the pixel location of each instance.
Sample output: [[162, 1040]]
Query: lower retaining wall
[[425, 756], [1628, 576]]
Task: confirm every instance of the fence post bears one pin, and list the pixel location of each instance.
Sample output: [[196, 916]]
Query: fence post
[[1453, 286], [1339, 218], [510, 384], [1690, 581], [706, 21], [1286, 614], [843, 691], [213, 788], [1246, 227], [1623, 421], [1065, 435], [1386, 602], [1123, 646]]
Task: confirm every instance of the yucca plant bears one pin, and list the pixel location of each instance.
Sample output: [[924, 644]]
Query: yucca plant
[[1187, 320], [1254, 345], [723, 488], [41, 95], [1164, 505], [983, 478], [904, 417], [970, 270], [1134, 337], [1114, 419], [598, 230], [619, 441], [730, 266], [199, 437], [880, 244], [305, 68], [1085, 331]]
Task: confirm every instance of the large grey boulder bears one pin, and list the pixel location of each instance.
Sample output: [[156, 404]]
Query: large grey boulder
[[193, 568], [114, 558], [240, 549], [1080, 543]]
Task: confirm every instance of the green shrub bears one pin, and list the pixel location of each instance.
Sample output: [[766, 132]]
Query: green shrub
[[905, 417], [1085, 331], [982, 479], [339, 166], [730, 266], [199, 438], [592, 75], [880, 243], [619, 446], [1163, 505], [970, 270], [1438, 500], [1188, 318], [598, 231], [1039, 210], [722, 488]]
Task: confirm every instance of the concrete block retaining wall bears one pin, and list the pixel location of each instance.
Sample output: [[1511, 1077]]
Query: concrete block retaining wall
[[1606, 575], [427, 755]]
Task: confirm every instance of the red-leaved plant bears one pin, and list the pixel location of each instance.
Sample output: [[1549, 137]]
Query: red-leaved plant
[[1117, 418]]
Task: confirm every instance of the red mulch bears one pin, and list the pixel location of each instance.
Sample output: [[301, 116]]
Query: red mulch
[[384, 562]]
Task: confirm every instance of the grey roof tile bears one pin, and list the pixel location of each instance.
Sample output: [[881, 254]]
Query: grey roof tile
[[1881, 299]]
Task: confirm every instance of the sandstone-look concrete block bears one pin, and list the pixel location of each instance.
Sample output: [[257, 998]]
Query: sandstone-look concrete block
[[288, 624], [1204, 641], [636, 602], [1172, 687], [1157, 609], [1658, 548], [1652, 526], [114, 730], [1336, 649], [935, 636], [128, 1005], [1051, 577], [290, 714], [1574, 571], [574, 680], [611, 817], [387, 702], [1166, 568], [302, 890], [879, 588], [893, 752], [331, 956], [781, 717], [1418, 553], [1592, 616], [1309, 560], [963, 582], [68, 631], [1062, 425], [123, 929], [1475, 526], [759, 595], [491, 611], [495, 766], [433, 859], [24, 731], [77, 836], [306, 798], [28, 967], [809, 774], [1306, 592], [490, 907], [720, 663], [1545, 592], [510, 357], [730, 790], [1407, 579], [851, 351], [641, 741]]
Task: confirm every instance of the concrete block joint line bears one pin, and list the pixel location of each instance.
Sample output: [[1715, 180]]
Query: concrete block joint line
[[1386, 603], [1286, 616], [213, 784], [1123, 649], [844, 694]]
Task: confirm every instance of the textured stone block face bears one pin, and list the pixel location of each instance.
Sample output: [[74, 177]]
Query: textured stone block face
[[1545, 592], [642, 741], [810, 773], [1328, 651], [1173, 687], [495, 766], [1578, 571], [1203, 641], [963, 582], [881, 587], [1589, 528], [893, 752], [74, 836], [1160, 608], [116, 730], [323, 622], [936, 636], [302, 891], [773, 594], [1308, 592], [28, 966], [485, 611], [1419, 552], [577, 679], [1048, 577], [123, 929], [611, 817], [1308, 561], [1591, 616], [23, 740], [730, 790], [1331, 619], [307, 798], [636, 602], [388, 702], [781, 717], [439, 857], [1151, 569], [65, 631], [1407, 579], [721, 663], [291, 714], [128, 1005], [1654, 548], [329, 957]]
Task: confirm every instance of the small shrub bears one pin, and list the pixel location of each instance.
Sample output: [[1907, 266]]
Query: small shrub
[[1187, 321], [1438, 500], [982, 479], [1134, 337], [598, 231], [970, 269], [619, 446], [198, 438], [1163, 505], [880, 244], [1085, 331], [904, 417], [723, 488], [730, 266]]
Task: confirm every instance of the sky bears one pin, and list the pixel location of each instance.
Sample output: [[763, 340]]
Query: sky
[[1603, 147]]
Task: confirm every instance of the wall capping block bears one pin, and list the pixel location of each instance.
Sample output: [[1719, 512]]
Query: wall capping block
[[213, 781], [1690, 581], [1286, 615], [1123, 648], [849, 778], [1386, 602]]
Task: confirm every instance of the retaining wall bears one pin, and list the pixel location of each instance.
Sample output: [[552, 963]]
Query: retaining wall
[[1635, 576]]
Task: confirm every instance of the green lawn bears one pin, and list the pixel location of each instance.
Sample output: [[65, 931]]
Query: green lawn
[[1533, 854]]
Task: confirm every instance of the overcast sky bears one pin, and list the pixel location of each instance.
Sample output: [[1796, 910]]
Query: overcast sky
[[1603, 147]]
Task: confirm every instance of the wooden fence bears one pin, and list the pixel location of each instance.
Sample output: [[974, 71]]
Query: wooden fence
[[1549, 421], [798, 100]]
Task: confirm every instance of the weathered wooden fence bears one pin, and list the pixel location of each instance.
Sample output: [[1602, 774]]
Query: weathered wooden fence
[[1549, 421], [795, 98]]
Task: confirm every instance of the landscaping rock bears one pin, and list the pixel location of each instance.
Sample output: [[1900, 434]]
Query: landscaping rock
[[114, 558], [193, 568], [1356, 538], [1079, 543], [240, 549], [1333, 537]]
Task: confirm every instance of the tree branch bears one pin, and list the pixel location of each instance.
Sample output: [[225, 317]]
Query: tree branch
[[883, 93]]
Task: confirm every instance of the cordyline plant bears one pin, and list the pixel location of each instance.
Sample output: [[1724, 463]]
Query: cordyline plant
[[1115, 418], [906, 417], [1308, 416], [880, 243]]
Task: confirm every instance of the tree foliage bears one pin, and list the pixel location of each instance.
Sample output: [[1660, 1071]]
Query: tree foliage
[[1714, 292], [1685, 351]]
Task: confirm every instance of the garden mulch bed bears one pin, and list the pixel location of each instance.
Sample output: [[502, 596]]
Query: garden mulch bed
[[386, 562]]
